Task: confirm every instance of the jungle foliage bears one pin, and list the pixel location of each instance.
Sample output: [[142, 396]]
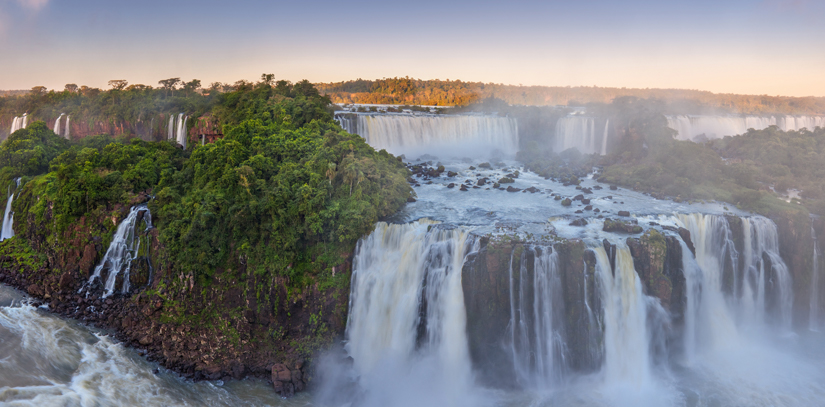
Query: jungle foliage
[[284, 193]]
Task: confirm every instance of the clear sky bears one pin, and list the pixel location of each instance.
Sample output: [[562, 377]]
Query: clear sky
[[774, 47]]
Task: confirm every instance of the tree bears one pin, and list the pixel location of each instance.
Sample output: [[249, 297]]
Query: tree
[[267, 78], [169, 84], [305, 88], [38, 90], [70, 87], [283, 87], [192, 85], [118, 84]]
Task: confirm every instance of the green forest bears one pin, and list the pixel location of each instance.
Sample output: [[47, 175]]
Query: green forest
[[286, 189]]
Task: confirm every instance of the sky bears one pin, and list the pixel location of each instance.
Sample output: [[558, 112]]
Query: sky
[[774, 47]]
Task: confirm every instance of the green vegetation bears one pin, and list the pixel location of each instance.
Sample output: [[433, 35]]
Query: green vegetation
[[286, 193], [274, 189]]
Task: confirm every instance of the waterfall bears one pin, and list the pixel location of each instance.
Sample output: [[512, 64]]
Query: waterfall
[[762, 285], [68, 132], [463, 135], [181, 130], [170, 134], [8, 216], [57, 124], [407, 307], [766, 280], [813, 317], [709, 322], [627, 338], [123, 249], [714, 127], [19, 123], [579, 132], [536, 328], [604, 137]]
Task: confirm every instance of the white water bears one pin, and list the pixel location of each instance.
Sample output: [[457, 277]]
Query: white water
[[579, 132], [714, 127], [49, 361], [394, 269], [538, 322], [762, 239], [123, 250], [443, 136], [170, 134], [709, 321], [626, 342], [56, 128], [68, 133], [8, 218], [181, 131], [813, 316], [19, 123]]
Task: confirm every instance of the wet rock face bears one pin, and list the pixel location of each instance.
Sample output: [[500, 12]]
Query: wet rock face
[[287, 381], [486, 285], [658, 262]]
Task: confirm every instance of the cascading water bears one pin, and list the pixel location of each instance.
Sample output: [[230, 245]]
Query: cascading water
[[709, 323], [463, 135], [19, 123], [579, 132], [123, 250], [813, 316], [537, 338], [604, 137], [68, 133], [8, 216], [714, 127], [407, 315], [766, 281], [170, 134], [181, 130], [57, 124], [627, 339]]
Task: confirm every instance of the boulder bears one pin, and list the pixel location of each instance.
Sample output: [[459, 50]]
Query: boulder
[[578, 222], [624, 213], [611, 225]]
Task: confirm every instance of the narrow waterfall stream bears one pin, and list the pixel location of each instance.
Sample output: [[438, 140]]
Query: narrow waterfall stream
[[123, 251]]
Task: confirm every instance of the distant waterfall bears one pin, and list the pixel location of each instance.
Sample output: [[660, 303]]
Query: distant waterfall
[[8, 216], [580, 132], [537, 338], [19, 123], [68, 132], [181, 131], [455, 135], [170, 135], [177, 129], [714, 127], [813, 317], [407, 302], [123, 250], [57, 124]]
